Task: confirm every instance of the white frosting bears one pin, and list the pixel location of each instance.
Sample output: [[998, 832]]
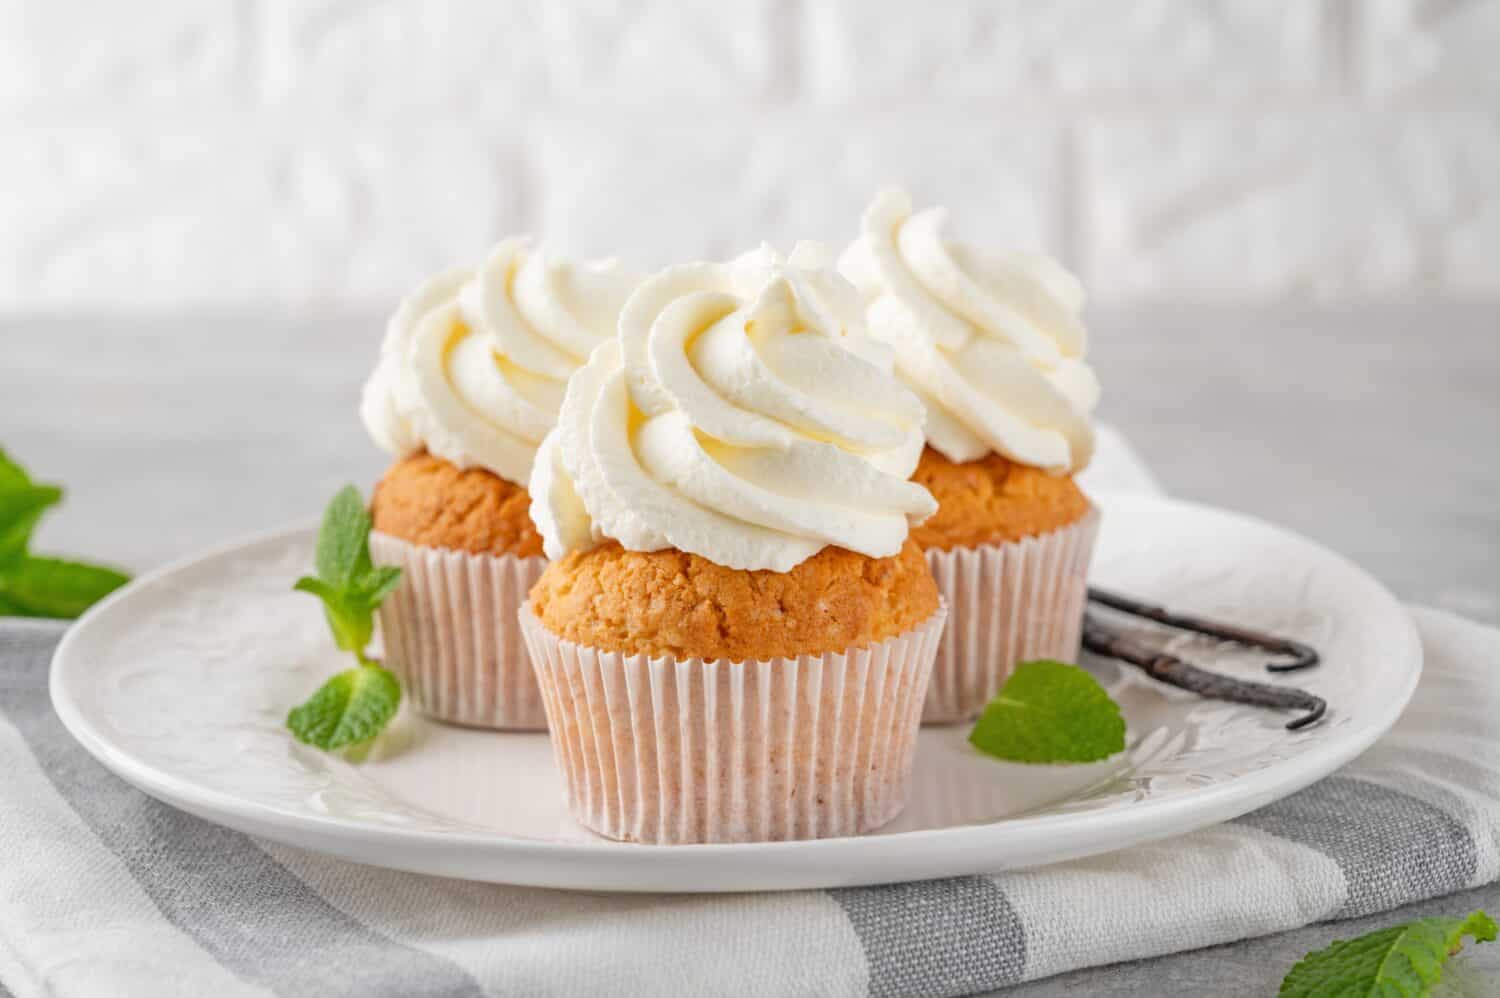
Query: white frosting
[[742, 416], [992, 343], [474, 363]]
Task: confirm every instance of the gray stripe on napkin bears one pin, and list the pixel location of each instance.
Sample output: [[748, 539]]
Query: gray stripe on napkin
[[214, 884], [1405, 766], [1392, 848], [936, 937]]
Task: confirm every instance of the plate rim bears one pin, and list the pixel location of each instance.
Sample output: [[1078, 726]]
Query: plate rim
[[1145, 821]]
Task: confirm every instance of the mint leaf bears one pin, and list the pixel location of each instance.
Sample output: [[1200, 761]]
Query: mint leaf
[[378, 583], [21, 506], [17, 501], [40, 587], [1402, 960], [53, 587], [10, 608], [343, 554], [1050, 712], [350, 617], [350, 708], [350, 586], [354, 705], [22, 503], [11, 473]]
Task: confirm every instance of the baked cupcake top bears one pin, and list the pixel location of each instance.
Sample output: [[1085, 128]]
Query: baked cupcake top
[[475, 361], [673, 603], [740, 415], [429, 502], [992, 342]]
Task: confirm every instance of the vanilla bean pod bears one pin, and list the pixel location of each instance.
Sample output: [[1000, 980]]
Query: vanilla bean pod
[[1103, 639], [1302, 656]]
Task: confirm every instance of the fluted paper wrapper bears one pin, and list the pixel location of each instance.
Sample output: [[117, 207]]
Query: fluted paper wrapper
[[668, 751], [450, 633], [1008, 603]]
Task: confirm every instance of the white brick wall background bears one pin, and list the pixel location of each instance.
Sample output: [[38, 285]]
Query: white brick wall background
[[291, 154]]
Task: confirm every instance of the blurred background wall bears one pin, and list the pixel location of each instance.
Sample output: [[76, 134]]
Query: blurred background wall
[[325, 154]]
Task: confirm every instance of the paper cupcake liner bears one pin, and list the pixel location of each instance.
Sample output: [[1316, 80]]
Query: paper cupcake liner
[[1008, 603], [450, 633], [668, 751]]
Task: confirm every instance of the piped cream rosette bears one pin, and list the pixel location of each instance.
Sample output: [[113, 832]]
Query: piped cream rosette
[[992, 342], [475, 361], [994, 345], [472, 370], [741, 416]]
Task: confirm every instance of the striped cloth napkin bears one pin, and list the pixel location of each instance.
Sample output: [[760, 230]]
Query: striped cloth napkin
[[104, 891]]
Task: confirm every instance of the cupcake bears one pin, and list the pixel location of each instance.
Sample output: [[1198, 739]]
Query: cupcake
[[470, 379], [734, 638], [993, 346]]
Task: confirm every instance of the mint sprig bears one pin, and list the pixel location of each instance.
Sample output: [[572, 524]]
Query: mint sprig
[[350, 587], [21, 507], [350, 708], [32, 585], [1401, 960], [1050, 712], [356, 704]]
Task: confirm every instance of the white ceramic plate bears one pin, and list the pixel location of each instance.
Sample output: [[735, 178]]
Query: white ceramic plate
[[180, 682]]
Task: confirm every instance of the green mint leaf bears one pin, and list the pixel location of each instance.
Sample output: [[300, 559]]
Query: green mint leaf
[[10, 608], [343, 554], [350, 708], [22, 500], [53, 587], [353, 706], [21, 506], [15, 537], [378, 583], [325, 591], [350, 586], [350, 618], [1402, 960], [1050, 712], [11, 473], [32, 586]]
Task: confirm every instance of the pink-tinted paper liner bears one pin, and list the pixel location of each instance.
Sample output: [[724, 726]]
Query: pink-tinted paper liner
[[663, 751], [450, 633], [1008, 603]]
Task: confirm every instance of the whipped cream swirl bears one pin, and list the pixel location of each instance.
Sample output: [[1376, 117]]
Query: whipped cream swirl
[[992, 343], [474, 362], [741, 415]]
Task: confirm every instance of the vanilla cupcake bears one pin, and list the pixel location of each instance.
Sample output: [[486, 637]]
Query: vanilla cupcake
[[994, 347], [735, 639], [470, 379]]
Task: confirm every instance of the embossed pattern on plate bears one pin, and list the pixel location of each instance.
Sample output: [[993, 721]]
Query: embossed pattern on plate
[[180, 683]]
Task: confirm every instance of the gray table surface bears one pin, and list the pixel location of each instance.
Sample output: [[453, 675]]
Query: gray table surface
[[1373, 430]]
